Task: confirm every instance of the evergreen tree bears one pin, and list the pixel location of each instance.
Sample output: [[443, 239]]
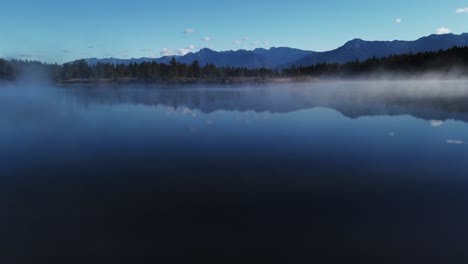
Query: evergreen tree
[[196, 69]]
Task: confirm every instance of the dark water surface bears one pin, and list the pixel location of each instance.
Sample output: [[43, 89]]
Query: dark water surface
[[291, 173]]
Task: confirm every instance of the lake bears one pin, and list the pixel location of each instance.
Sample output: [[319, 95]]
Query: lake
[[367, 171]]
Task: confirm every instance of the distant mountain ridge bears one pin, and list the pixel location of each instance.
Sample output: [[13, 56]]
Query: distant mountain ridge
[[257, 58], [358, 49], [282, 57], [271, 58]]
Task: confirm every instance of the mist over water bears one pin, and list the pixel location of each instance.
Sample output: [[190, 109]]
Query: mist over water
[[364, 170]]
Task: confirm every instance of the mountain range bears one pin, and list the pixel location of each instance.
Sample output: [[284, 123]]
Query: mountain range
[[282, 57]]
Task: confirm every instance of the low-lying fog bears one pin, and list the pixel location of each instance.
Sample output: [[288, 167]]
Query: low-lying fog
[[427, 99]]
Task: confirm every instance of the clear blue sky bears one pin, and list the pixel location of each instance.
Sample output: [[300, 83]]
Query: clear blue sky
[[60, 30]]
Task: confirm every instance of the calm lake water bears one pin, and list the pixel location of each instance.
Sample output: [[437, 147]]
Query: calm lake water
[[288, 173]]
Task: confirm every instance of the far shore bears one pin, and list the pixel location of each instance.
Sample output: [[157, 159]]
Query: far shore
[[233, 80], [257, 80]]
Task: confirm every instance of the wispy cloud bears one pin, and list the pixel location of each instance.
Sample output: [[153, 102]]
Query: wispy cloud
[[206, 39], [241, 41], [185, 51], [65, 51], [443, 30], [437, 123], [462, 10], [188, 111], [166, 52], [189, 31], [244, 41], [124, 54], [398, 20], [454, 141]]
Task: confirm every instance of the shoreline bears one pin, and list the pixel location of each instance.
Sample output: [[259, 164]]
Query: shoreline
[[256, 80], [176, 81]]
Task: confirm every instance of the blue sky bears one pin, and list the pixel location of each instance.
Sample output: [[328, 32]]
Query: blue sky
[[60, 31]]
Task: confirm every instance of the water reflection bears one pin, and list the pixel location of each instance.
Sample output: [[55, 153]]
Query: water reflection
[[437, 123], [433, 101], [454, 141], [371, 172]]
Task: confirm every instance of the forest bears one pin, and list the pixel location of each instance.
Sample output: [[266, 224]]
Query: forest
[[453, 61]]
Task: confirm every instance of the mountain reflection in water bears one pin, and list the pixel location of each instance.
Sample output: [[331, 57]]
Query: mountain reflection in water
[[428, 100]]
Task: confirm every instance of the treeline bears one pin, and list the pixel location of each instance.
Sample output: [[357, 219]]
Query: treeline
[[161, 72], [451, 61], [7, 72], [448, 61], [13, 70], [146, 71]]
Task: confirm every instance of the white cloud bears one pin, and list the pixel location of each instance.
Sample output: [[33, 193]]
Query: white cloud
[[455, 141], [189, 31], [244, 41], [266, 42], [188, 111], [183, 52], [462, 10], [398, 20], [443, 30], [166, 52], [436, 123], [206, 39]]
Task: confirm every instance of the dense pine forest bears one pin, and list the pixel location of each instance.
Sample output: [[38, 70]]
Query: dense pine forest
[[453, 61]]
